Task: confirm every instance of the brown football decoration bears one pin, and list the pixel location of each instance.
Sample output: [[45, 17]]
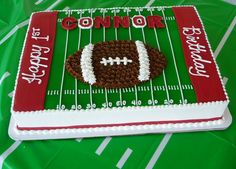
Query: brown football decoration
[[116, 64]]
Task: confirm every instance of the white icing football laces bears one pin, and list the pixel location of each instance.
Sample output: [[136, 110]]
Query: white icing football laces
[[117, 61], [144, 64], [86, 64]]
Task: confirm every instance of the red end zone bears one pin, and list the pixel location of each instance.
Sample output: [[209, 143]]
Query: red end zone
[[35, 63], [199, 60]]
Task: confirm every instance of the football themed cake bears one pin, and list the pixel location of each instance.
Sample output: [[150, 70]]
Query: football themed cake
[[116, 71]]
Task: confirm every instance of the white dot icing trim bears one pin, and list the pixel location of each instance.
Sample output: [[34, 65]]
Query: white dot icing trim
[[86, 64], [144, 64]]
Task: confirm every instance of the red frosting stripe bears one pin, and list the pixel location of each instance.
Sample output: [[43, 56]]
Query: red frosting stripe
[[198, 58], [35, 63]]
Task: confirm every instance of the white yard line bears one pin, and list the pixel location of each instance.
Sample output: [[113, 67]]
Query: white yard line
[[124, 158], [22, 24], [151, 85], [158, 151], [76, 81], [53, 5], [225, 37], [7, 36], [173, 55], [4, 76], [11, 94], [8, 151], [38, 2], [164, 76], [115, 28], [104, 39], [18, 26], [63, 70], [150, 2], [103, 145], [76, 94], [90, 86], [120, 92], [135, 86]]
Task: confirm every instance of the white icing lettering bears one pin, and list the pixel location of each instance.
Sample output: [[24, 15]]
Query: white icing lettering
[[196, 49], [33, 77], [35, 64], [36, 35], [40, 48], [191, 31], [198, 72]]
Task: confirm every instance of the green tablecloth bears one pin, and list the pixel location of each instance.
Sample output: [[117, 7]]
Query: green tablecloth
[[205, 150]]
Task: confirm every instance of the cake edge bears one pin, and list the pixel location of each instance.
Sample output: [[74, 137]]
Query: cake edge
[[189, 104]]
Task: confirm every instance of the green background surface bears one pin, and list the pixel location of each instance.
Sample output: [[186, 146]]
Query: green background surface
[[205, 150]]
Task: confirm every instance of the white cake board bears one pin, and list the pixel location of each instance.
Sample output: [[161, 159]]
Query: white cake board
[[119, 130]]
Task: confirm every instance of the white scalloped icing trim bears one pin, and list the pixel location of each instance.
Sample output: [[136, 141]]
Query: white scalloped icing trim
[[131, 127], [86, 64], [144, 65], [118, 130]]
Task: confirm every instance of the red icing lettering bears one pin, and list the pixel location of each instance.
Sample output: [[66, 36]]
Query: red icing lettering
[[155, 21], [105, 22], [123, 22], [69, 23], [139, 21]]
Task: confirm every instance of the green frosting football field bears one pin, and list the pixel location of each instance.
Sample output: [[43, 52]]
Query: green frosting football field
[[205, 150], [62, 87]]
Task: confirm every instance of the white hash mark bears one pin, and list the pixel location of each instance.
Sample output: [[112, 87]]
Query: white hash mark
[[4, 76], [225, 37], [38, 2], [78, 139], [8, 151], [124, 158], [103, 145], [11, 94], [158, 151], [150, 2]]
